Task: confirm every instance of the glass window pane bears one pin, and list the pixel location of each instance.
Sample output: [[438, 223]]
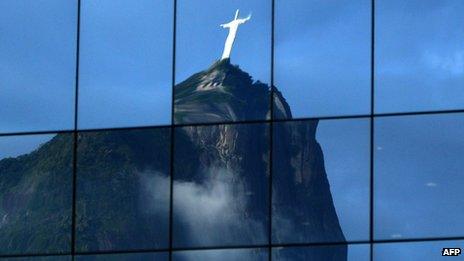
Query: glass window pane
[[259, 254], [211, 91], [418, 176], [321, 181], [37, 65], [36, 194], [322, 253], [126, 257], [414, 251], [419, 55], [322, 56], [221, 185], [125, 63], [38, 258], [123, 190]]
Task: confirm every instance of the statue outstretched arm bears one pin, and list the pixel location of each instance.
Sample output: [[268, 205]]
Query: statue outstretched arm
[[241, 21], [225, 25]]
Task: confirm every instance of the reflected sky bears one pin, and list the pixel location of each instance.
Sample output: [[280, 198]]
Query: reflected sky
[[345, 150], [37, 65], [419, 55], [13, 146], [416, 251], [125, 63], [322, 60], [322, 56], [200, 39], [418, 176], [346, 146]]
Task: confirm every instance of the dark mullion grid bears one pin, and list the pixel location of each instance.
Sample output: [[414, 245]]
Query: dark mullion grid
[[35, 133], [371, 152], [171, 170], [75, 136], [378, 115], [293, 245], [271, 132]]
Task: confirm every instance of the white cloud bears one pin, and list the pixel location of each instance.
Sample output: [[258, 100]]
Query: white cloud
[[451, 63], [154, 198], [216, 211]]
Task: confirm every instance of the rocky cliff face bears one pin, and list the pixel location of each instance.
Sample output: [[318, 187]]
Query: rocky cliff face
[[303, 209], [229, 166], [221, 176], [222, 93]]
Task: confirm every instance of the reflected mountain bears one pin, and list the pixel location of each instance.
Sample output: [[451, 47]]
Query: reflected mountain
[[221, 179], [222, 93], [36, 199]]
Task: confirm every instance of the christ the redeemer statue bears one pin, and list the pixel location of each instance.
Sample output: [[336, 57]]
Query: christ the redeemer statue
[[233, 26]]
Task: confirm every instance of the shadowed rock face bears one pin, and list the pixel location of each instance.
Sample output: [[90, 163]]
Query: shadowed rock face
[[302, 200], [219, 94], [227, 165]]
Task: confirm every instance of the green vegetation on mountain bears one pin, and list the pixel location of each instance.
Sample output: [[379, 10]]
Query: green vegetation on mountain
[[123, 178]]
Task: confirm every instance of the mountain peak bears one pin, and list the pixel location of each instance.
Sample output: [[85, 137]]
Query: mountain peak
[[223, 93]]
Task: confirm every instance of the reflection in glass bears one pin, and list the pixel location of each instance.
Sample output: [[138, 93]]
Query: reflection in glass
[[419, 55], [418, 176], [208, 89], [322, 253], [125, 257], [321, 184], [125, 63], [414, 251], [123, 189], [35, 194], [37, 68], [38, 258], [223, 255], [322, 60], [221, 185]]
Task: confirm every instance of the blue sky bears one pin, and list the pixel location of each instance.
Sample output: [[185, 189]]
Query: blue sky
[[322, 57], [12, 146], [126, 63], [419, 55], [37, 64], [417, 251], [345, 144], [418, 182], [200, 39]]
